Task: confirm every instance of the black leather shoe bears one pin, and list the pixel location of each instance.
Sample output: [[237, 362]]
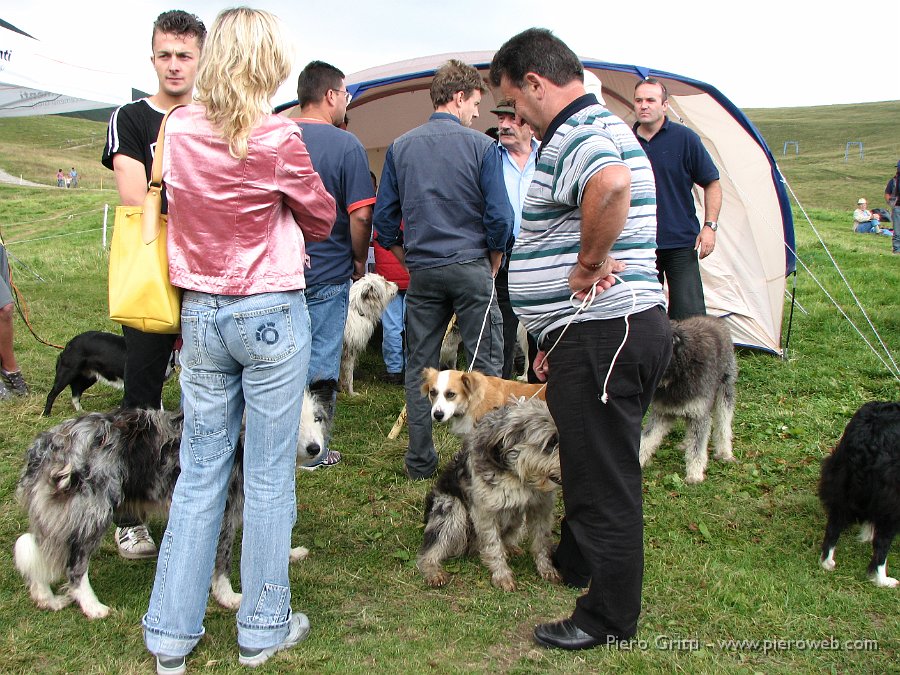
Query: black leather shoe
[[564, 635]]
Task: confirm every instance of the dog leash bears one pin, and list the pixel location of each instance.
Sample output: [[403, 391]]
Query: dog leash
[[581, 307], [483, 324]]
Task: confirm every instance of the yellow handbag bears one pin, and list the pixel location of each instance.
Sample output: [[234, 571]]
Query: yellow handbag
[[140, 294]]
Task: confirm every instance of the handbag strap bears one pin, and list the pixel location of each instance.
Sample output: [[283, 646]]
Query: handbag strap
[[156, 169], [150, 227]]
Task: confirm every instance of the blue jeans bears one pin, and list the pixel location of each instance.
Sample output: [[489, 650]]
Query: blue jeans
[[392, 334], [895, 223], [327, 305], [239, 353]]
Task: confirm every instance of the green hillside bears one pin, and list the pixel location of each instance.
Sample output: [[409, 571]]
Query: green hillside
[[819, 175], [35, 147]]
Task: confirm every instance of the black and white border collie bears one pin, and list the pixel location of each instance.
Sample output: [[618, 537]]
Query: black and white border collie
[[89, 358], [860, 483]]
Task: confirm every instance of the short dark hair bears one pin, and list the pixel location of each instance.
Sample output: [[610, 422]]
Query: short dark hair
[[452, 77], [178, 22], [315, 80], [653, 80], [536, 50]]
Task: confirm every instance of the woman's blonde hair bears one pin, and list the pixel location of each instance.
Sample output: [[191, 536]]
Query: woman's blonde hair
[[244, 61]]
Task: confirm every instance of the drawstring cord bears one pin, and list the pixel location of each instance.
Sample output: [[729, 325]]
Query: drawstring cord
[[581, 307]]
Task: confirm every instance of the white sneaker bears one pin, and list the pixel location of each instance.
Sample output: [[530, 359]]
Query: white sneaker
[[135, 542], [170, 665], [298, 632]]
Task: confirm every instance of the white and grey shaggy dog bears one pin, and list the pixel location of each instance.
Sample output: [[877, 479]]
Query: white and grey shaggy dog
[[699, 387], [502, 482], [81, 471], [369, 297]]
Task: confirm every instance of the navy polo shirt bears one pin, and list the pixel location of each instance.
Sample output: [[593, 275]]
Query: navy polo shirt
[[679, 161]]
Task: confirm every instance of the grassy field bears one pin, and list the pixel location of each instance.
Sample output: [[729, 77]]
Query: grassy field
[[731, 559]]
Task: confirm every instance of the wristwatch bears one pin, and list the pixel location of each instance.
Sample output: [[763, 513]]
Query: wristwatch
[[711, 224]]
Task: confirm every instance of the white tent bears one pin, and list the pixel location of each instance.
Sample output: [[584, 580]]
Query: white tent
[[36, 81], [744, 281]]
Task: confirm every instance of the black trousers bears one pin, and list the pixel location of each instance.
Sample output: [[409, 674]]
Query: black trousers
[[680, 268], [146, 358], [599, 444], [510, 321]]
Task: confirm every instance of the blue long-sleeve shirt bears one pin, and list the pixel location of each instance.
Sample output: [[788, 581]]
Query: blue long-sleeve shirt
[[445, 182]]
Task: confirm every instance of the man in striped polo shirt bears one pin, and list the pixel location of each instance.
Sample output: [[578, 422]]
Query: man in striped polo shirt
[[590, 213]]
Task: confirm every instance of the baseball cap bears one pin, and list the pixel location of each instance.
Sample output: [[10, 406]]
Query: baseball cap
[[861, 200], [506, 108]]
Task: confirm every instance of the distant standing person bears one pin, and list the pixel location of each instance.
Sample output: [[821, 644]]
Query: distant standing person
[[73, 178], [892, 197], [176, 41], [60, 179], [679, 162]]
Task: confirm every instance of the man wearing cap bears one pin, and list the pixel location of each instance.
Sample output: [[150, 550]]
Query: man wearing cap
[[864, 221], [679, 162], [892, 197], [518, 153]]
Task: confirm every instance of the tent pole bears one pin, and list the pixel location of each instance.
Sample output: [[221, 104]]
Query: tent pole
[[787, 339]]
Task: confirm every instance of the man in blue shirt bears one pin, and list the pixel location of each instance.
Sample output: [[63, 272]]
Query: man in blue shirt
[[444, 181], [518, 153], [340, 160], [679, 162]]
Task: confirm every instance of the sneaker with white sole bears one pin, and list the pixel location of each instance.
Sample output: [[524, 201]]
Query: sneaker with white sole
[[170, 665], [298, 632], [5, 394], [327, 458], [135, 543], [15, 382]]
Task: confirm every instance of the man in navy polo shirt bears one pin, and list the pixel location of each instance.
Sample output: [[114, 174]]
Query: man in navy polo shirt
[[679, 161]]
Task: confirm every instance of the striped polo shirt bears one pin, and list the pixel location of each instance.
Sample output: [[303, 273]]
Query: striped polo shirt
[[547, 247]]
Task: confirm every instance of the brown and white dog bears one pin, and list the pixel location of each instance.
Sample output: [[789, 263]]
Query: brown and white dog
[[462, 398]]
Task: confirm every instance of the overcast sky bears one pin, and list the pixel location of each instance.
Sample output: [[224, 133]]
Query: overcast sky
[[768, 53]]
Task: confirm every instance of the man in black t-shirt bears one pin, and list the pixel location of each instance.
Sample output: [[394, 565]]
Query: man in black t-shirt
[[130, 144]]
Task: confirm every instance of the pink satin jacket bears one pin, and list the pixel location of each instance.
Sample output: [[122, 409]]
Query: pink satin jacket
[[238, 227]]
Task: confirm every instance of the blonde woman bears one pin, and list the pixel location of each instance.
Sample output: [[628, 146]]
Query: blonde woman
[[243, 198]]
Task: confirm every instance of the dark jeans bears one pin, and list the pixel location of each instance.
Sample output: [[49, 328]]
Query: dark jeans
[[432, 297], [680, 267], [146, 359], [510, 322], [602, 536]]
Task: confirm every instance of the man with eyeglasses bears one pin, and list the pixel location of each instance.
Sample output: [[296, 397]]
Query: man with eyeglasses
[[340, 160], [445, 181]]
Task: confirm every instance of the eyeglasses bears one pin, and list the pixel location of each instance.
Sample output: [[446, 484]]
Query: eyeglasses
[[345, 93]]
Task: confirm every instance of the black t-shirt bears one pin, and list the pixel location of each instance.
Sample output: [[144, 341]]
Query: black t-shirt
[[132, 132]]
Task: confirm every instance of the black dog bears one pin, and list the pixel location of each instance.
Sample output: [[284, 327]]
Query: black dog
[[90, 357], [860, 483]]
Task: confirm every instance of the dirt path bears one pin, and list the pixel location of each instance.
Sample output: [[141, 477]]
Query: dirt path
[[14, 180]]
